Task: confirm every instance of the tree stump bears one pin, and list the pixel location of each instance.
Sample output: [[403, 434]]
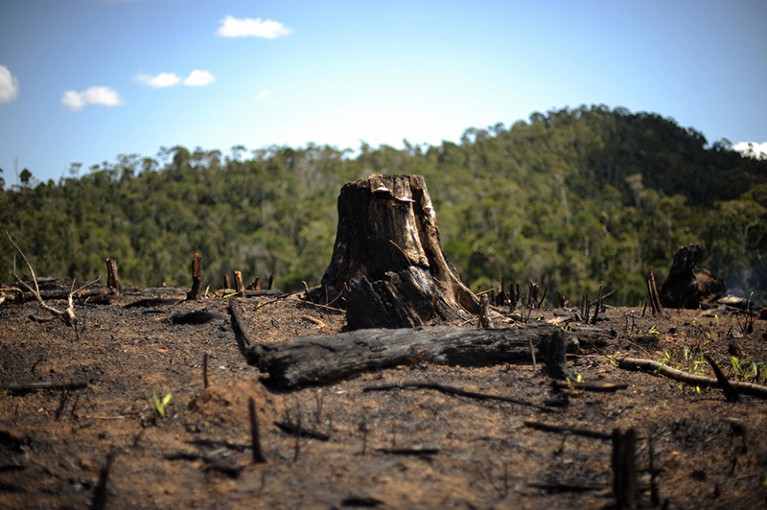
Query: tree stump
[[686, 285], [387, 259]]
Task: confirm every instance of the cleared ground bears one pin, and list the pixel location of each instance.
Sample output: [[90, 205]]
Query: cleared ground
[[708, 453]]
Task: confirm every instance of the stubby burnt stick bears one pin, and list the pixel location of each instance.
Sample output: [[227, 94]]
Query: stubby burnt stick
[[113, 279], [652, 295], [99, 501], [239, 285], [195, 293], [625, 484]]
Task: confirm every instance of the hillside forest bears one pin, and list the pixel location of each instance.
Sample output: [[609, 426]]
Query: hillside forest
[[571, 199]]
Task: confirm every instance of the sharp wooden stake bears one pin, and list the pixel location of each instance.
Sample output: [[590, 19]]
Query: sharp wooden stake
[[258, 456]]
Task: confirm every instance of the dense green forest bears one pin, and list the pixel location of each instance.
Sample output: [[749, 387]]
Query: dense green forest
[[571, 199]]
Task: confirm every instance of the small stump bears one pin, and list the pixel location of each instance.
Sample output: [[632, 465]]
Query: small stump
[[686, 285], [387, 259]]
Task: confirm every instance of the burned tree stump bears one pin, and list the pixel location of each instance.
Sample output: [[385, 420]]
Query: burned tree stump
[[686, 285], [387, 259], [195, 293]]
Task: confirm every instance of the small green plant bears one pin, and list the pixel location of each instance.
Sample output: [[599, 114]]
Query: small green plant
[[746, 370], [161, 405], [654, 331], [666, 357]]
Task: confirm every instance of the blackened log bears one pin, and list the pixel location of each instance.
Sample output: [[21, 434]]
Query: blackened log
[[325, 359]]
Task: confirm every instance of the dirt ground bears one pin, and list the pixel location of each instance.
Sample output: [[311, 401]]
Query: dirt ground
[[406, 448]]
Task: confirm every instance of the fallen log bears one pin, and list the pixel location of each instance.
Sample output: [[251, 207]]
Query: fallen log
[[325, 359], [655, 367]]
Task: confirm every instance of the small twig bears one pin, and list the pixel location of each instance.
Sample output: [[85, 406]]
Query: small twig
[[318, 322], [20, 389], [599, 387], [418, 449], [545, 427], [451, 390], [298, 430], [532, 353]]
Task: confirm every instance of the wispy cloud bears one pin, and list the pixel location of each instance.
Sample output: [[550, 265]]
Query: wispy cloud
[[158, 81], [252, 27], [199, 78], [752, 149], [9, 86], [103, 96], [263, 95]]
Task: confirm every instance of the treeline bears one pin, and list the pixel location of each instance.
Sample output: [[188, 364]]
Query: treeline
[[571, 199]]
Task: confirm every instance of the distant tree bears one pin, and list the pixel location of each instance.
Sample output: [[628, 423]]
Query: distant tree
[[25, 177], [74, 170]]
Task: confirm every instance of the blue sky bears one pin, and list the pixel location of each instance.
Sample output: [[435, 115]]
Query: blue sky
[[80, 80]]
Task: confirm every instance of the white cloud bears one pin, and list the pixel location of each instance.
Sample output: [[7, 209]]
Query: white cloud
[[753, 149], [198, 78], [94, 95], [159, 81], [252, 27], [9, 86], [263, 95]]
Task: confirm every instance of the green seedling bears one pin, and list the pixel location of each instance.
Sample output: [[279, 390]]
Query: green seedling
[[654, 331], [161, 405]]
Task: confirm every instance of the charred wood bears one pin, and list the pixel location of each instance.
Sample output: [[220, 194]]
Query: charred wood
[[325, 359]]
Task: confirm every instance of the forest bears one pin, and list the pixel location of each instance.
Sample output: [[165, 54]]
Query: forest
[[572, 199]]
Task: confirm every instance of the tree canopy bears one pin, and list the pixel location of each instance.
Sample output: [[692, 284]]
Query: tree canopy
[[571, 199]]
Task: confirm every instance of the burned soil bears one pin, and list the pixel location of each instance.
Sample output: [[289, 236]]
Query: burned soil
[[141, 424]]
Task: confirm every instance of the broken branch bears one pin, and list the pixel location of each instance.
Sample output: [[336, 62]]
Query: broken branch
[[646, 365]]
